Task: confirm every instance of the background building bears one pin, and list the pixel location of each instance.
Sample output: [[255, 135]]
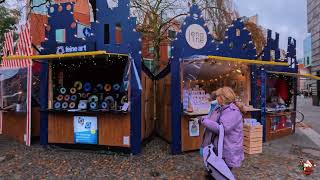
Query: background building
[[307, 52], [307, 62], [313, 9]]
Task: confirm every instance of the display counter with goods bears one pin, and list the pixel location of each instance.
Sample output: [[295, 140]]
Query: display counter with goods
[[200, 79], [280, 115], [88, 101]]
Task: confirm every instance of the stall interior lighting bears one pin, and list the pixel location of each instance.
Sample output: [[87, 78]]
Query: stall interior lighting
[[232, 69], [248, 61]]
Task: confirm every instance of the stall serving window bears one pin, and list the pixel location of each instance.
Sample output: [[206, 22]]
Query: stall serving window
[[14, 89], [280, 106], [94, 84], [202, 76]]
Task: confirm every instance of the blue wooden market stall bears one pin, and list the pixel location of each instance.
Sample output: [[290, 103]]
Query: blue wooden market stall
[[90, 80], [200, 65]]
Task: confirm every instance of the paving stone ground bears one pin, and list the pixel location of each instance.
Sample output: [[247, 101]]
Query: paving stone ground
[[311, 113], [278, 161]]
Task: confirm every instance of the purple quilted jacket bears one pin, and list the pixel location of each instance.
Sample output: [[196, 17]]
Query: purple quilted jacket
[[231, 119]]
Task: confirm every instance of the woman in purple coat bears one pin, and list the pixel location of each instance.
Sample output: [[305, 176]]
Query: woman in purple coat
[[229, 115]]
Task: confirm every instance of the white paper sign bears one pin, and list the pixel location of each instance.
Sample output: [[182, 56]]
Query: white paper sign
[[196, 36], [126, 140], [112, 3], [194, 128]]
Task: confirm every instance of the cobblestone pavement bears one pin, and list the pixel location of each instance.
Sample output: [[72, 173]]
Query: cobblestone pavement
[[278, 161]]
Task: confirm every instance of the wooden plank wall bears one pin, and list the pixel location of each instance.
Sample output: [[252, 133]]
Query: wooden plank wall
[[60, 128], [14, 125], [164, 108], [147, 123], [112, 128], [35, 122]]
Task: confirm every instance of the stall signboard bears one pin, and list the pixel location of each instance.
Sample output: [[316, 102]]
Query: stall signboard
[[71, 49], [196, 36], [65, 48], [85, 130]]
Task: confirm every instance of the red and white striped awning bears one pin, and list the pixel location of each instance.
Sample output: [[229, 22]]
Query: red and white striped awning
[[19, 63], [23, 48]]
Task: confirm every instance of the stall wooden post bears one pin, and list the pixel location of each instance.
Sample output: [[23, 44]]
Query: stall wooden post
[[263, 76], [176, 105], [44, 102], [1, 103]]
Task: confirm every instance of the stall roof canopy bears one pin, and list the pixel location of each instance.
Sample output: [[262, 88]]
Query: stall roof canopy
[[248, 61], [236, 60], [296, 75], [59, 56], [207, 67]]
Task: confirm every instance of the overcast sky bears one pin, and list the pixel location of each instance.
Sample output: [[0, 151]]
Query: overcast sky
[[287, 17]]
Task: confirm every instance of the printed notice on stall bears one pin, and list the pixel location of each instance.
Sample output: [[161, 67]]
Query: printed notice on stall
[[194, 128], [85, 130]]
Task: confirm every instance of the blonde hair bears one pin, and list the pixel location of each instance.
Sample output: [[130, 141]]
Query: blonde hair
[[229, 96]]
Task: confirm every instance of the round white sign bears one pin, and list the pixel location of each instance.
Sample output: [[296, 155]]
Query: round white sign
[[196, 36]]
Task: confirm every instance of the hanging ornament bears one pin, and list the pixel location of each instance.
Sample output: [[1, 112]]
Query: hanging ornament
[[60, 8], [69, 7], [48, 28], [73, 25]]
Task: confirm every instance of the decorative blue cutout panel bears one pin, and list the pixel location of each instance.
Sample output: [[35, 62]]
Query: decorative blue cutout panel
[[106, 23], [291, 56], [62, 32], [197, 36], [237, 42], [271, 50]]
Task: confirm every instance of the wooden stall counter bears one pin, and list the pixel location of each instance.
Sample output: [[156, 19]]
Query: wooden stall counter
[[189, 142], [14, 125], [113, 128], [279, 124]]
